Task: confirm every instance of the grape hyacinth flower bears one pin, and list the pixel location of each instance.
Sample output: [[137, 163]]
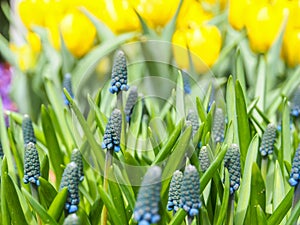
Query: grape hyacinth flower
[[186, 82], [174, 191], [77, 158], [67, 84], [112, 134], [268, 140], [72, 219], [119, 73], [218, 127], [295, 108], [27, 129], [193, 118], [130, 103], [147, 204], [70, 179], [190, 191], [31, 165], [232, 163], [204, 159], [295, 172]]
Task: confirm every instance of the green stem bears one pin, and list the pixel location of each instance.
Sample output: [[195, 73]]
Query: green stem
[[296, 198], [230, 210], [264, 168], [108, 163], [124, 124], [35, 194]]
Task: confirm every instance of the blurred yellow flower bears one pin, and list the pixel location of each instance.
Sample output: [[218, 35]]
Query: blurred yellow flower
[[32, 12], [263, 23], [236, 13], [191, 14], [26, 58], [213, 3], [156, 13], [78, 32], [34, 42], [291, 46], [204, 42], [119, 16]]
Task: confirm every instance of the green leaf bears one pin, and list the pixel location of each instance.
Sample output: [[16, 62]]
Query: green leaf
[[230, 107], [4, 208], [223, 209], [279, 191], [180, 104], [294, 217], [115, 192], [45, 167], [177, 154], [108, 202], [286, 147], [96, 149], [178, 218], [57, 207], [46, 192], [260, 215], [242, 122], [7, 54], [54, 151], [261, 79], [282, 209], [169, 29], [45, 217], [95, 212], [166, 149], [245, 189], [258, 189], [201, 109], [12, 200]]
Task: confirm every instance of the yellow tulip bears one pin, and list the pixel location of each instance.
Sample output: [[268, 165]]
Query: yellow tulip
[[32, 12], [263, 24], [191, 14], [157, 13], [204, 42], [236, 13], [25, 56], [119, 16], [291, 46], [34, 42], [78, 32], [220, 3]]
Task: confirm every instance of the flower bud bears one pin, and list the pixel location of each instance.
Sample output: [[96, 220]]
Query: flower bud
[[268, 140], [174, 191], [147, 204], [203, 158], [67, 84], [218, 128], [31, 164], [27, 129], [131, 100], [77, 158], [112, 135], [194, 119], [119, 73]]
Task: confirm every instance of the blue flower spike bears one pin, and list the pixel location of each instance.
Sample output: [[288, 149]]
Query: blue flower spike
[[31, 165], [70, 179], [233, 164], [295, 172], [295, 107], [204, 159], [268, 140], [67, 84], [174, 191], [77, 158], [192, 116], [119, 73], [1, 151], [186, 82], [218, 128], [27, 129], [130, 103], [112, 134], [147, 204], [190, 191]]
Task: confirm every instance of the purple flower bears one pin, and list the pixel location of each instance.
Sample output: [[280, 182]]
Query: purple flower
[[5, 87]]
